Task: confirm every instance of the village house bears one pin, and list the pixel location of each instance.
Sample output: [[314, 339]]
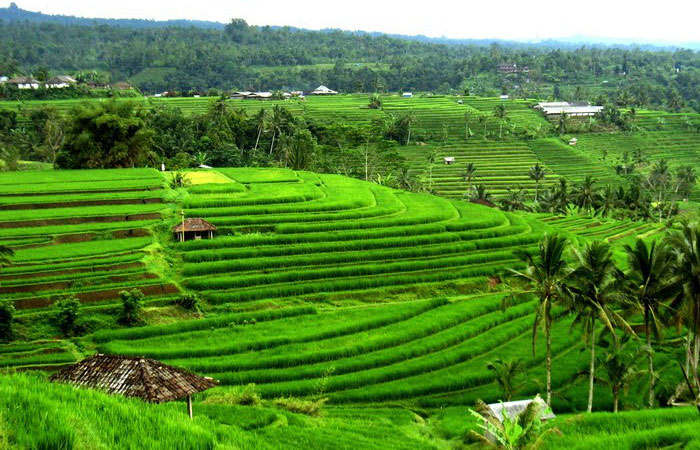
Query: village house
[[60, 82], [24, 82], [508, 68]]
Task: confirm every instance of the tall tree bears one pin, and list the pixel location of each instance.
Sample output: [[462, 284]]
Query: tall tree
[[592, 296], [585, 194], [619, 364], [537, 173], [547, 272], [686, 245], [501, 113], [651, 285], [468, 175], [260, 121], [505, 374]]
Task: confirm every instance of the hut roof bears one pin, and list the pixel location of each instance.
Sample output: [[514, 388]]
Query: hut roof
[[144, 378], [515, 408], [194, 224]]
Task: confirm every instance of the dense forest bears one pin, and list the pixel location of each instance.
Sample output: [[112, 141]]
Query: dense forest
[[266, 58]]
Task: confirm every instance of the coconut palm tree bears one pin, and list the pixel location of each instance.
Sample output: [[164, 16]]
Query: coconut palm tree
[[260, 120], [609, 201], [276, 123], [483, 120], [407, 120], [501, 113], [468, 175], [375, 101], [5, 254], [619, 364], [467, 131], [686, 245], [514, 200], [563, 123], [547, 272], [585, 194], [505, 374], [480, 193], [685, 180], [592, 295], [432, 159], [537, 173], [651, 286]]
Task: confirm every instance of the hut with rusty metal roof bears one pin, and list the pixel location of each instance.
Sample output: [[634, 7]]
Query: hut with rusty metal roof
[[144, 378], [194, 228]]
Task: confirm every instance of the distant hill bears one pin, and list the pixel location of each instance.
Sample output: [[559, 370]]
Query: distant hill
[[14, 13]]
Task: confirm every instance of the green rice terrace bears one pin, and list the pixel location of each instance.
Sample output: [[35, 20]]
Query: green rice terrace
[[335, 313]]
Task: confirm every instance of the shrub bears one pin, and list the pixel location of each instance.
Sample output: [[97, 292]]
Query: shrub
[[189, 302], [247, 396], [132, 309], [312, 408], [67, 314], [179, 180], [7, 315]]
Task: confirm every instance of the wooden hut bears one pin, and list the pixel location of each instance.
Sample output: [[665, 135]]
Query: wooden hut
[[147, 379], [194, 228]]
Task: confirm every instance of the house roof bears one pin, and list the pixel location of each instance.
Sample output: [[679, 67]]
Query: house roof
[[513, 409], [23, 80], [194, 224], [144, 378], [61, 79], [324, 90]]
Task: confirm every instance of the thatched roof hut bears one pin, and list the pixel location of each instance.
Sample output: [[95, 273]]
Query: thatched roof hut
[[194, 228], [144, 378]]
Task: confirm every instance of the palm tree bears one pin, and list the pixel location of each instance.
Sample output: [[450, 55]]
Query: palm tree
[[468, 174], [407, 120], [5, 254], [562, 123], [505, 374], [514, 200], [619, 366], [276, 123], [686, 245], [501, 113], [467, 131], [483, 120], [260, 119], [585, 195], [480, 193], [685, 180], [651, 285], [375, 101], [609, 200], [591, 297], [537, 173], [547, 273]]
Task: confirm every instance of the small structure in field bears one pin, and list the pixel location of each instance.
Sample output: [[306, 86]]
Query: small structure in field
[[193, 229], [572, 109], [323, 90], [513, 409], [147, 379], [504, 97], [407, 95], [573, 141], [122, 86], [449, 160]]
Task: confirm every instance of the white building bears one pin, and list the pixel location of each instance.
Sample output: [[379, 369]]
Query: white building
[[579, 109], [24, 82], [407, 94]]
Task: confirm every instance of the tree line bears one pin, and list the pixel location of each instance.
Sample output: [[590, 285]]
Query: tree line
[[265, 58]]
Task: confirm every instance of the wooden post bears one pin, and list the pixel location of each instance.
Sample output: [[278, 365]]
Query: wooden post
[[189, 405], [182, 239]]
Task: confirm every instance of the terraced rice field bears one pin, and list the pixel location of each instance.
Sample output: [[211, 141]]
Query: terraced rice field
[[82, 233], [428, 352], [294, 234], [500, 165]]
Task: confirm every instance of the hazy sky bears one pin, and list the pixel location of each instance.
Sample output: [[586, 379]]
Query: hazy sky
[[640, 20]]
